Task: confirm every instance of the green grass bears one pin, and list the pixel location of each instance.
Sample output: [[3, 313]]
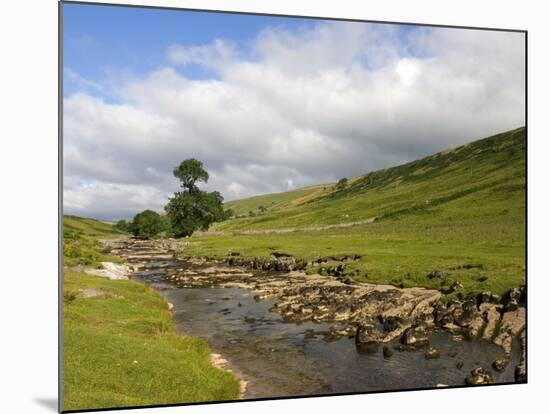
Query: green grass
[[276, 202], [458, 207], [91, 227], [80, 244], [104, 335]]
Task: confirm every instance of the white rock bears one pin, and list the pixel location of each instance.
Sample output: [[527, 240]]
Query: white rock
[[111, 270]]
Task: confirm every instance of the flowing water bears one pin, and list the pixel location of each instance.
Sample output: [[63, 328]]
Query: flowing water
[[278, 358]]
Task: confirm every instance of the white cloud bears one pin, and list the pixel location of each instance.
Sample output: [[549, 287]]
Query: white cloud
[[112, 201], [214, 54], [305, 107], [407, 70]]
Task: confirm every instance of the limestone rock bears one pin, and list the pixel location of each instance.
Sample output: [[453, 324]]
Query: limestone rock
[[432, 353], [479, 376]]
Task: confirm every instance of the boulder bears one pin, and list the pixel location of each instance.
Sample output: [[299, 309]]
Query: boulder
[[492, 317], [456, 286], [367, 334], [513, 298], [440, 311], [499, 364], [480, 376], [111, 270], [511, 305], [466, 313], [475, 327], [387, 352], [485, 297], [391, 323], [432, 353], [511, 324], [415, 336], [447, 319], [514, 293]]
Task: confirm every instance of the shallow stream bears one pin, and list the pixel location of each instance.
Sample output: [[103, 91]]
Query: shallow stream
[[278, 358]]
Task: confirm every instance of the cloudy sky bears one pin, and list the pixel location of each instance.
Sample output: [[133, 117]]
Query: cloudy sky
[[268, 104]]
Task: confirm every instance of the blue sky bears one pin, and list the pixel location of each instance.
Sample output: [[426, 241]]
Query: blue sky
[[268, 104], [100, 39]]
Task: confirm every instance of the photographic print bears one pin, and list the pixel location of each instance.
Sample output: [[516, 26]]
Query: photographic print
[[261, 206]]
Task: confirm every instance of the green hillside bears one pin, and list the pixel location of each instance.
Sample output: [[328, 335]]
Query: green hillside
[[90, 227], [449, 211], [80, 241], [277, 201], [485, 175]]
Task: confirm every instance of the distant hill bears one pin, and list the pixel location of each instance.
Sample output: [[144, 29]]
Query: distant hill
[[485, 178], [89, 227]]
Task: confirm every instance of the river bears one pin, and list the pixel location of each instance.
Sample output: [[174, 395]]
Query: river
[[279, 358]]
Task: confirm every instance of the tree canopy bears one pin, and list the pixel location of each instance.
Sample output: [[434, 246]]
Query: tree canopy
[[193, 209], [146, 224], [189, 172]]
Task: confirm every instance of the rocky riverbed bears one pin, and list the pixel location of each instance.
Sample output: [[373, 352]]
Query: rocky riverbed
[[372, 315]]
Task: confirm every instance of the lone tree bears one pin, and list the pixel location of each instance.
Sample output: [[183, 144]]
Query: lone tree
[[192, 209], [342, 183], [189, 172], [146, 224]]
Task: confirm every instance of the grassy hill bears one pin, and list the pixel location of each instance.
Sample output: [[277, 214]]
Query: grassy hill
[[90, 227], [80, 241], [278, 201], [485, 175], [448, 211]]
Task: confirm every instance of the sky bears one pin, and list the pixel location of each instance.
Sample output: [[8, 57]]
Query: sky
[[268, 104]]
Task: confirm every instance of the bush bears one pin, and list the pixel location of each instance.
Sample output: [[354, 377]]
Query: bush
[[147, 224], [124, 226], [227, 214], [69, 296], [341, 184]]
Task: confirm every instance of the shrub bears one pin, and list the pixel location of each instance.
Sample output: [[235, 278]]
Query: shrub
[[146, 224]]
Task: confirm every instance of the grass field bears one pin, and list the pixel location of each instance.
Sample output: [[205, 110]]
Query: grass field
[[449, 211], [120, 347]]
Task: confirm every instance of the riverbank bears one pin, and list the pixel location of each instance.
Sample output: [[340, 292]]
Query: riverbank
[[120, 345], [121, 349]]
